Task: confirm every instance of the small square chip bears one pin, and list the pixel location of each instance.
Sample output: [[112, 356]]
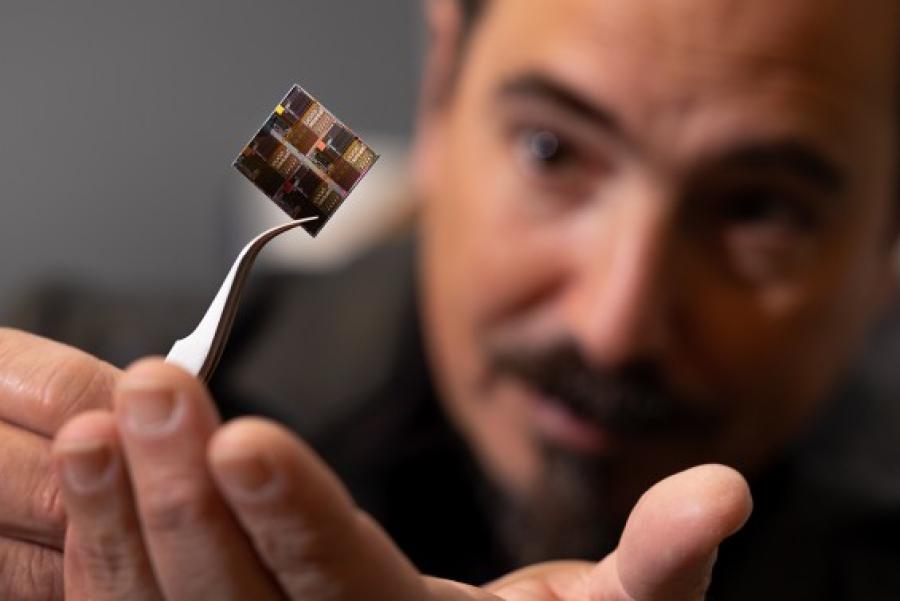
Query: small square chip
[[305, 159]]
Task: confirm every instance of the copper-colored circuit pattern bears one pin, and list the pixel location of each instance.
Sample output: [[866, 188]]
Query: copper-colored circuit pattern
[[305, 159]]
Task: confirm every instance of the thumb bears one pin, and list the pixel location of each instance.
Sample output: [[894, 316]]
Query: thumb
[[670, 542]]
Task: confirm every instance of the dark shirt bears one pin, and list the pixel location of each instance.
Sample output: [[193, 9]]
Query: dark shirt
[[338, 357]]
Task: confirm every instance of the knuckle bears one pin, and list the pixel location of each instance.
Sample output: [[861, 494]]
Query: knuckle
[[79, 382], [51, 378], [47, 500], [175, 506], [110, 563], [301, 558], [286, 546], [287, 541], [310, 583], [30, 501], [30, 572]]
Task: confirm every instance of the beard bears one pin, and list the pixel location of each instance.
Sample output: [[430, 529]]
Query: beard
[[569, 516], [580, 502]]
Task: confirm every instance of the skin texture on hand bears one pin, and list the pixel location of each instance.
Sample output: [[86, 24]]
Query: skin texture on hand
[[282, 526], [42, 384], [166, 503]]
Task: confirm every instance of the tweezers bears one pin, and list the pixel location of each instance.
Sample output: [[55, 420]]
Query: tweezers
[[200, 352]]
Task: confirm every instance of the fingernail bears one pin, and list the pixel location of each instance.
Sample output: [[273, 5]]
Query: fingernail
[[86, 466], [249, 478], [150, 410]]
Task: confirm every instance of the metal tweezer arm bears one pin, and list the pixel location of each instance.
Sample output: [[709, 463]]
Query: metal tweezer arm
[[199, 353]]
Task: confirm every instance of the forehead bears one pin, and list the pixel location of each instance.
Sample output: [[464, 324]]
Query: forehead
[[657, 59], [846, 39]]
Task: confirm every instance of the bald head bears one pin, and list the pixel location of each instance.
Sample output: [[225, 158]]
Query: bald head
[[818, 30]]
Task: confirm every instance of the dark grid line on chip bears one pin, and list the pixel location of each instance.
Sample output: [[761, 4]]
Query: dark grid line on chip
[[305, 159]]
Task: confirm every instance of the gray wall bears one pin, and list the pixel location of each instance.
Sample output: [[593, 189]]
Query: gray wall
[[120, 119]]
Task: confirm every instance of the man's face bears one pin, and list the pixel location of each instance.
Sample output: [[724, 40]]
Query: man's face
[[655, 229]]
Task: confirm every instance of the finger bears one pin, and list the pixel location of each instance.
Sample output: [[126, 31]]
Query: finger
[[669, 544], [43, 383], [104, 541], [30, 572], [165, 419], [30, 508], [302, 521]]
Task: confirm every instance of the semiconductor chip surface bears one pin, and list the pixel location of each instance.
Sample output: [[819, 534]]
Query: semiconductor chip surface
[[305, 159]]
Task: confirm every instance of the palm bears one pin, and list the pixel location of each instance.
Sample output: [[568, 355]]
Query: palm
[[557, 581]]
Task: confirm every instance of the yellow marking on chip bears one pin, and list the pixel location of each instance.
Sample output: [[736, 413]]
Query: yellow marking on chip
[[279, 110]]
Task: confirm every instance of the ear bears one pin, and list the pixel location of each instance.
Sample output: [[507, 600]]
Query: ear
[[444, 23]]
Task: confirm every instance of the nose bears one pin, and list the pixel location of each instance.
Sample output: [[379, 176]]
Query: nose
[[618, 291]]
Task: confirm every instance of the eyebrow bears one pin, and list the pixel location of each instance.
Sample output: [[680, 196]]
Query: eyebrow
[[788, 156], [539, 87]]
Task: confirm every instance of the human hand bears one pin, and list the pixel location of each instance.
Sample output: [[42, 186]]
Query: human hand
[[666, 552], [42, 384], [164, 503]]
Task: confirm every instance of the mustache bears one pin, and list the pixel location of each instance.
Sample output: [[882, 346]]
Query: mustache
[[632, 398]]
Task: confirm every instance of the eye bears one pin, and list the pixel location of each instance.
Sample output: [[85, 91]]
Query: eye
[[543, 149], [761, 207], [767, 230], [554, 161], [543, 146]]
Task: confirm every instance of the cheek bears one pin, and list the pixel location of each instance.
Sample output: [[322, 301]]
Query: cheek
[[496, 255], [482, 262]]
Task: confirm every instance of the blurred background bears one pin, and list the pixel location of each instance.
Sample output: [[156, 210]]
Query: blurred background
[[120, 120], [119, 124]]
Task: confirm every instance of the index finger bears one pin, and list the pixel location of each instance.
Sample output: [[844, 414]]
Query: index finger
[[44, 383]]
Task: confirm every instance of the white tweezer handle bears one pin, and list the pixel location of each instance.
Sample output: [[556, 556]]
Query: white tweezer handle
[[199, 353]]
